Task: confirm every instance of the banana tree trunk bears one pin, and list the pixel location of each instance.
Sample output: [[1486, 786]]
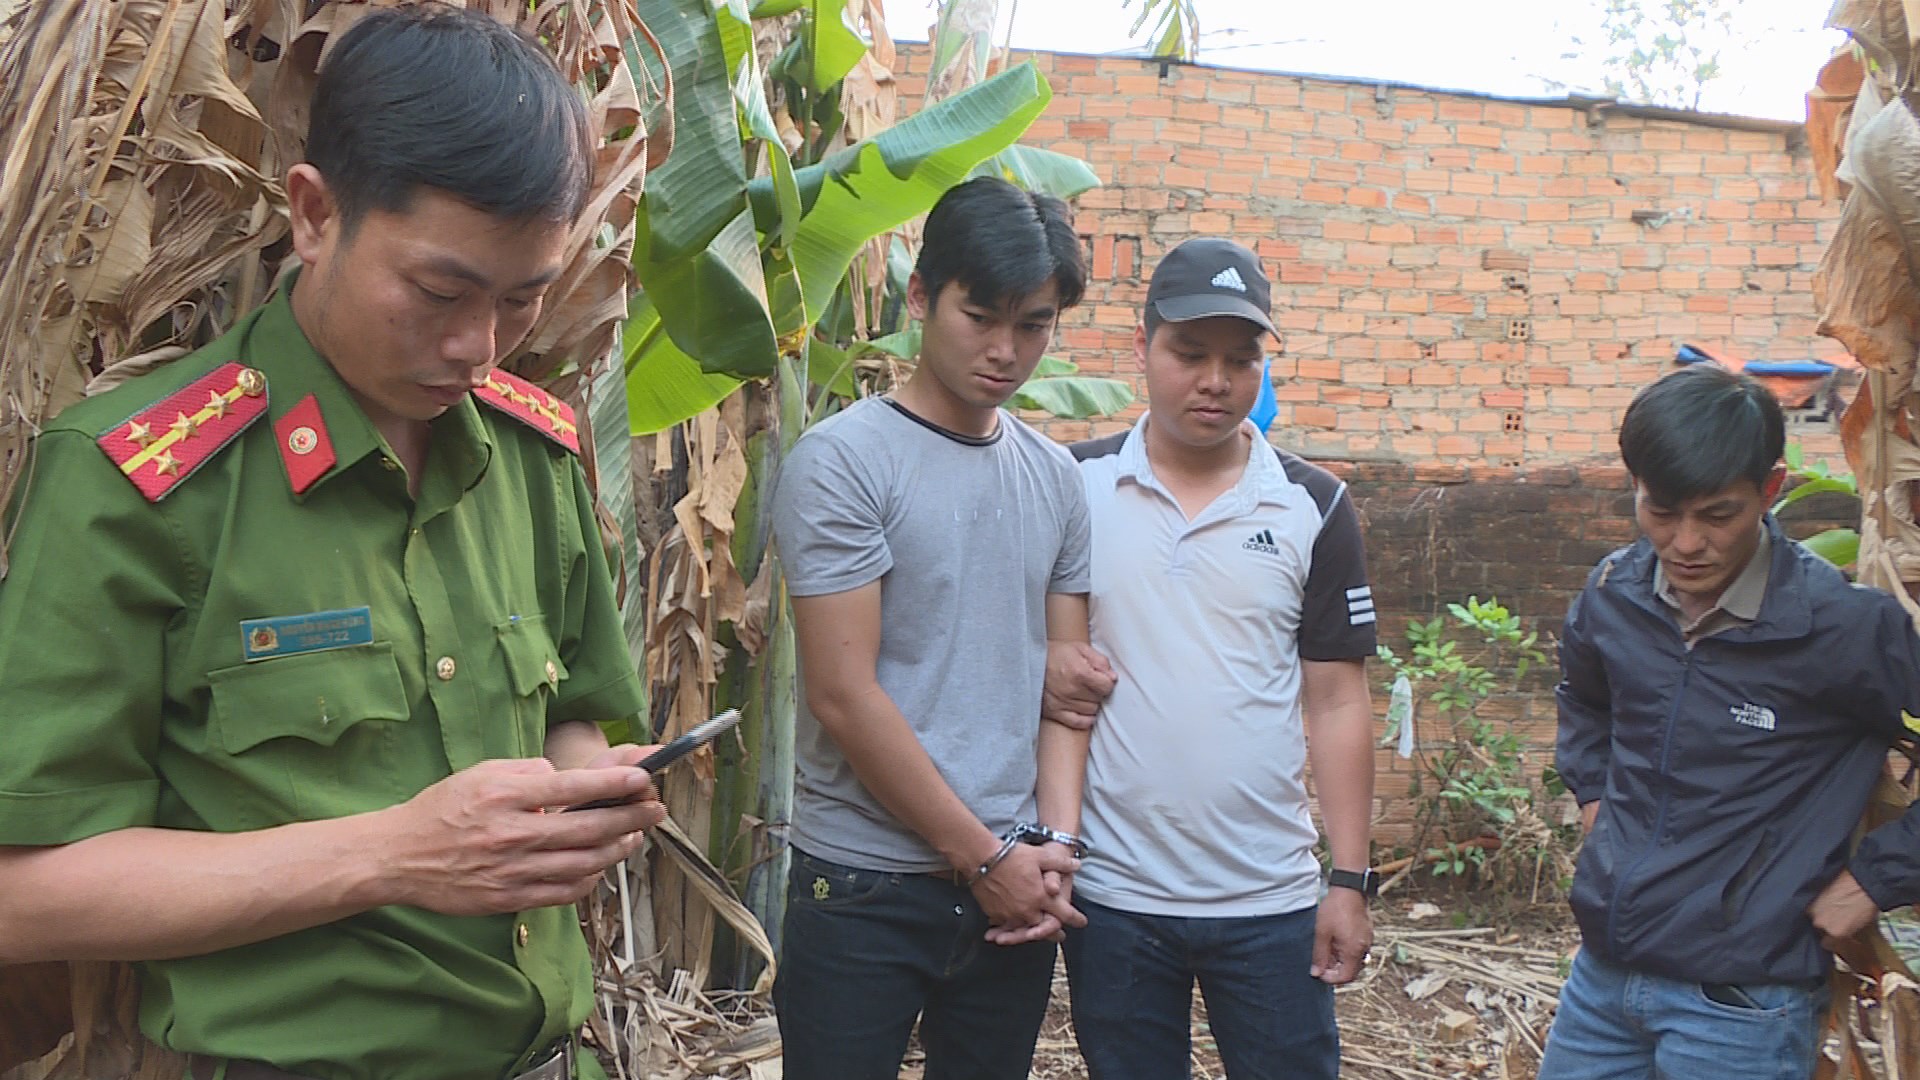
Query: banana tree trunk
[[753, 796]]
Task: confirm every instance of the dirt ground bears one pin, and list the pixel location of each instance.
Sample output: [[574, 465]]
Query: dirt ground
[[1458, 987], [1462, 986]]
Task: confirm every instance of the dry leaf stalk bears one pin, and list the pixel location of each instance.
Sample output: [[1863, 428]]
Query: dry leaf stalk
[[1868, 292]]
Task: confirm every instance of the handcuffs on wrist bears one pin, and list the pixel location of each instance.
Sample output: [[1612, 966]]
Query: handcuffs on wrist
[[1027, 832]]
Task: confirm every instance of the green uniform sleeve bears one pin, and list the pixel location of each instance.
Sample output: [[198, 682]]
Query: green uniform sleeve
[[94, 582], [602, 683]]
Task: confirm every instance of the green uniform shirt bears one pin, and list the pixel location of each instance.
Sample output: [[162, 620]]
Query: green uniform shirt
[[128, 701]]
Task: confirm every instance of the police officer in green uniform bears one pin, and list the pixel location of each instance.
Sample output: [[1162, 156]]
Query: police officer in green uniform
[[306, 633]]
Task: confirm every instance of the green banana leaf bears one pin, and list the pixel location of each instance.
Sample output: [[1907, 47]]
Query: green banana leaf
[[612, 455], [1040, 170], [664, 385], [750, 91], [1841, 547], [1836, 485], [735, 24], [1057, 388], [903, 345], [1074, 397], [701, 186], [880, 183], [830, 368], [701, 271], [833, 44]]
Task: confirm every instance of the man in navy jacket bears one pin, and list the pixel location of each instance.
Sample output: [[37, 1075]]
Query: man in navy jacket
[[1726, 702]]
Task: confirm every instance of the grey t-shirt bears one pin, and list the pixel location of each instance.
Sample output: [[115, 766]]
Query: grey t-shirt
[[966, 537]]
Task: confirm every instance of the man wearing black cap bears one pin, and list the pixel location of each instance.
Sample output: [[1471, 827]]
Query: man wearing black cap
[[1229, 594]]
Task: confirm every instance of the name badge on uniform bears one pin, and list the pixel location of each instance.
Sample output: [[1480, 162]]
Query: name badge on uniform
[[288, 635]]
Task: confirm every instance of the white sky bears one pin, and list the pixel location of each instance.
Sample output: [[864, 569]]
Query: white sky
[[1508, 47]]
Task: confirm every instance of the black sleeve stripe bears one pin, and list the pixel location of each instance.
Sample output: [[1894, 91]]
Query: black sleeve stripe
[[1105, 446], [1337, 615], [1321, 484]]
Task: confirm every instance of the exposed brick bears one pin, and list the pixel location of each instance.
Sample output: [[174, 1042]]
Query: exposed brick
[[1374, 216]]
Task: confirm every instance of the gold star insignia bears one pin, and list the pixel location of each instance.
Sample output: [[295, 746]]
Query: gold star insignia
[[216, 404], [166, 464], [139, 434], [183, 425]]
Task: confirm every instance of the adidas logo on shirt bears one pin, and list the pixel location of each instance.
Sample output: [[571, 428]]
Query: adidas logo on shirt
[[1360, 605], [1229, 279], [1262, 541]]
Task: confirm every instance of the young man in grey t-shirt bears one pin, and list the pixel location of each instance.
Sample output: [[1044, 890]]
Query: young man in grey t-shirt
[[933, 546]]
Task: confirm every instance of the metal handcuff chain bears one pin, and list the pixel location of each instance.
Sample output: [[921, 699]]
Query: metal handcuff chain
[[1027, 832]]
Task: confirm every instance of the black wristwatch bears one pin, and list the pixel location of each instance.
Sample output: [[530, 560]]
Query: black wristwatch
[[1365, 882]]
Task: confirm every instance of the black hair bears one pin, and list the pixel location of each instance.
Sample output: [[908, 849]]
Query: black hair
[[453, 100], [1000, 243], [1699, 431]]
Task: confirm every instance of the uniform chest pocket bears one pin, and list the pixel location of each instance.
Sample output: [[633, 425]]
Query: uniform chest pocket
[[316, 697], [533, 664], [316, 735], [534, 672]]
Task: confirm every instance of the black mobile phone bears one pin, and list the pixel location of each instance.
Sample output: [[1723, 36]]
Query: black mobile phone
[[694, 739], [1729, 994]]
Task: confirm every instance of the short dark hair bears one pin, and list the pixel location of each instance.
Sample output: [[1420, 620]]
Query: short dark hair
[[999, 243], [1700, 430], [453, 100]]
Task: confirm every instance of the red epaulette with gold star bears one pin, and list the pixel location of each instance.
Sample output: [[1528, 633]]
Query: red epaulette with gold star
[[532, 406], [162, 444]]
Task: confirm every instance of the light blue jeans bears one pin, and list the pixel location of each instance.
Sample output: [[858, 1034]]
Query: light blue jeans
[[1616, 1024]]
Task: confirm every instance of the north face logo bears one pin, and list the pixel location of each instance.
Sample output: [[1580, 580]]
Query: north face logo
[[1229, 279], [1262, 541], [1757, 716]]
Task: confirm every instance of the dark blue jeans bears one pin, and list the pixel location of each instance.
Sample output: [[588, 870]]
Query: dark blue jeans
[[865, 953], [1133, 975]]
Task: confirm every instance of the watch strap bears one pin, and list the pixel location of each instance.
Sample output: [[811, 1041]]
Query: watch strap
[[1365, 882]]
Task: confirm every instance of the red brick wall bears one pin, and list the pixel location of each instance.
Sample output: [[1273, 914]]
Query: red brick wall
[[1447, 267]]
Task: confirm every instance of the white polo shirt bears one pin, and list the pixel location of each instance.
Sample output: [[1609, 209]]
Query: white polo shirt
[[1196, 798]]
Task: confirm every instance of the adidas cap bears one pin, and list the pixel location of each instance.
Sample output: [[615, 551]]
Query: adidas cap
[[1209, 276]]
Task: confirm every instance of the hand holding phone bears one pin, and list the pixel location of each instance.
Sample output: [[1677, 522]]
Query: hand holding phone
[[699, 736]]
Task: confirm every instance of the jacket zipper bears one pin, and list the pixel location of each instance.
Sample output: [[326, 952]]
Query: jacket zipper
[[1660, 814]]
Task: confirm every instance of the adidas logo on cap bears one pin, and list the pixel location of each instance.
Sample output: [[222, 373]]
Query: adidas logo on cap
[[1229, 279]]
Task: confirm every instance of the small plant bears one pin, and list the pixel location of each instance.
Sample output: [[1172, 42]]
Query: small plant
[[1475, 797], [1841, 547], [1457, 859]]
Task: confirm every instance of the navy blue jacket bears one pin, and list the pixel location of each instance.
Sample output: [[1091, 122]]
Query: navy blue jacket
[[1731, 776]]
